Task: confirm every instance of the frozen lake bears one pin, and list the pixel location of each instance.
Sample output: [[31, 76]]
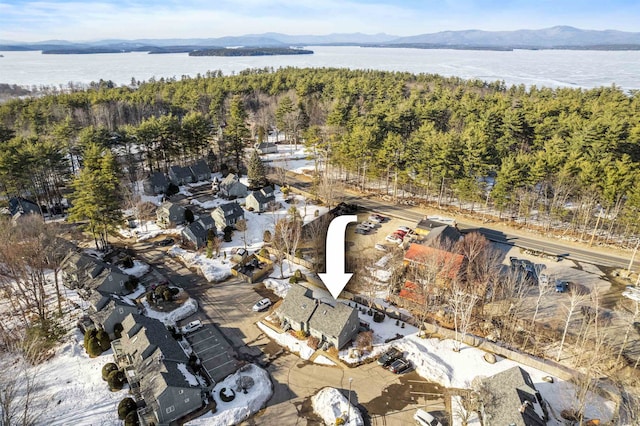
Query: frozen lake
[[551, 68]]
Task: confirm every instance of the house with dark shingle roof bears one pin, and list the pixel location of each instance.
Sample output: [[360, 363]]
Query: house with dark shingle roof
[[180, 175], [110, 281], [108, 310], [227, 215], [158, 372], [511, 398], [198, 231], [231, 187], [336, 325], [19, 206], [169, 215], [261, 200], [442, 236], [79, 268], [200, 171], [156, 183]]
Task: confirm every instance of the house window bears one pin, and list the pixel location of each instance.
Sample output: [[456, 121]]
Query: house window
[[186, 400], [171, 409], [181, 391], [121, 310]]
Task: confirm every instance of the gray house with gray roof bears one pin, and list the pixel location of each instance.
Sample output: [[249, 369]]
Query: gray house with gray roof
[[79, 268], [231, 187], [156, 183], [261, 200], [169, 215], [110, 281], [158, 373], [227, 215], [198, 231], [180, 175], [334, 325], [511, 398], [200, 171], [107, 311]]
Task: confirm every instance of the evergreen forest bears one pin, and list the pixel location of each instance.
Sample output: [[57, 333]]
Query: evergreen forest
[[569, 156]]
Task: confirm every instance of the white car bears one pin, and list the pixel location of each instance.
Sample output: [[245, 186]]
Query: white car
[[404, 229], [192, 326], [392, 238], [369, 225], [261, 305], [380, 247], [424, 418]]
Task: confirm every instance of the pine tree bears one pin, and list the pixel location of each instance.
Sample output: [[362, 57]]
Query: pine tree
[[236, 131], [95, 197], [256, 172]]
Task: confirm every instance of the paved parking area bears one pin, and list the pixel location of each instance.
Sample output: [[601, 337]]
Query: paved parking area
[[214, 352]]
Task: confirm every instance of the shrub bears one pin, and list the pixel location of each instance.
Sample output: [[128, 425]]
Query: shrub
[[125, 407], [298, 274], [378, 316], [266, 236], [313, 342], [174, 290], [188, 216], [108, 368], [298, 253], [103, 338], [132, 283], [316, 213], [127, 262], [339, 421], [116, 380], [285, 191], [117, 330], [333, 352], [228, 233], [293, 280], [93, 347], [88, 335], [263, 253], [131, 419], [364, 341], [227, 398], [172, 189], [167, 295], [159, 291], [301, 334]]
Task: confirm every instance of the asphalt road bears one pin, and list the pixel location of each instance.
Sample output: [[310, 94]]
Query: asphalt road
[[534, 242]]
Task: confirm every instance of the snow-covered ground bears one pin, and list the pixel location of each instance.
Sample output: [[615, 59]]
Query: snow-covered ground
[[243, 405], [330, 404], [137, 270], [288, 341], [189, 307], [297, 159], [214, 269]]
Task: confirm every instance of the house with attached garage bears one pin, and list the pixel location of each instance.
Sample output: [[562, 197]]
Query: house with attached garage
[[227, 215], [332, 325], [156, 183], [157, 368], [200, 171], [169, 215], [79, 268], [108, 311], [231, 188], [511, 398], [180, 175], [198, 231], [261, 200]]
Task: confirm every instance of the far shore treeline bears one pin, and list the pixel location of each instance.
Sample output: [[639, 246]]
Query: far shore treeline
[[560, 155]]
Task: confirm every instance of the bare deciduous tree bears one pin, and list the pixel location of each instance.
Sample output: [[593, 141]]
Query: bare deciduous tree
[[241, 225], [575, 300]]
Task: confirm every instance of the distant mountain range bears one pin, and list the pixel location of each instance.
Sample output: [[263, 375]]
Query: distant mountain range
[[560, 37]]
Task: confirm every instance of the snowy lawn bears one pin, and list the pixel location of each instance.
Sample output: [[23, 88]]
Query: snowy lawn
[[330, 404], [137, 270], [69, 389], [244, 405], [214, 270], [288, 341], [171, 318]]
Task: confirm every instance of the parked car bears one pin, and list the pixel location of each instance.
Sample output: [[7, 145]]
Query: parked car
[[376, 218], [424, 418], [393, 238], [405, 229], [166, 242], [561, 286], [399, 366], [261, 305], [400, 233], [380, 247], [361, 230], [369, 225], [389, 356], [192, 326]]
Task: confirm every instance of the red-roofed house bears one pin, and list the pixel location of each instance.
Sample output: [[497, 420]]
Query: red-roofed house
[[449, 264]]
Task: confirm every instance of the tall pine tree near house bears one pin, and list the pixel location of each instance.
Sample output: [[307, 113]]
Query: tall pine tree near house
[[236, 131], [95, 198], [256, 171]]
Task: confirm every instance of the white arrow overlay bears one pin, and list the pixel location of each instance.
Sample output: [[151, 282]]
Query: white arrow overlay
[[335, 279]]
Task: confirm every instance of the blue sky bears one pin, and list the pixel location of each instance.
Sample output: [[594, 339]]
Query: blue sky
[[104, 19]]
